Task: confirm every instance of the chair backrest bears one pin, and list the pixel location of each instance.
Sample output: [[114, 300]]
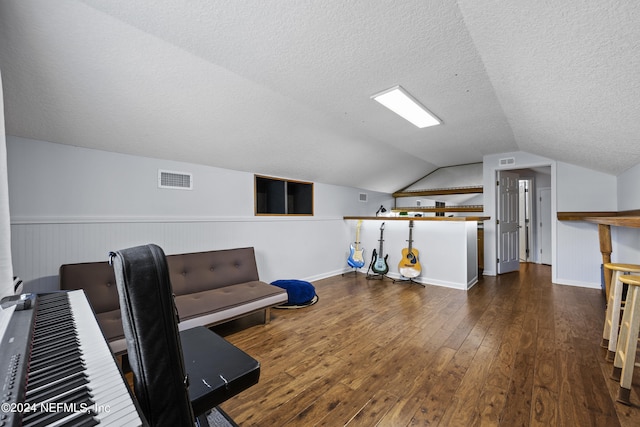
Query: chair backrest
[[150, 323]]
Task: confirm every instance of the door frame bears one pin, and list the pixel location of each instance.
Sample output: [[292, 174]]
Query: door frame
[[541, 228], [491, 165]]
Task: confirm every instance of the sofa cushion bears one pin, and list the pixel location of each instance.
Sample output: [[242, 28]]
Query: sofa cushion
[[111, 324], [223, 299], [201, 271]]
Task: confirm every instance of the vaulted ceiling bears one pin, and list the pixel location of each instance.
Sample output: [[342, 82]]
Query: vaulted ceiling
[[283, 87]]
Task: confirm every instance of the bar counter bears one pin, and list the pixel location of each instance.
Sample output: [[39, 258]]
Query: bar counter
[[447, 246], [605, 220]]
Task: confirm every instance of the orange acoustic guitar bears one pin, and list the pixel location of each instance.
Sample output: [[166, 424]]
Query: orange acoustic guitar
[[409, 265]]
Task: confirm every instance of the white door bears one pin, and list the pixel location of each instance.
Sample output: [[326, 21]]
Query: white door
[[507, 222], [545, 225]]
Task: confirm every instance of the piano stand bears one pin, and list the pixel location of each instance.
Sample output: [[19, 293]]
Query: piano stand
[[217, 369]]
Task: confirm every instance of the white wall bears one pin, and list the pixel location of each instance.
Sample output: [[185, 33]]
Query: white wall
[[626, 241], [580, 189], [629, 189], [6, 271], [71, 204]]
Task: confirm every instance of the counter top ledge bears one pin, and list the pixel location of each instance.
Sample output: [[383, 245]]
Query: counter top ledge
[[622, 219], [422, 218]]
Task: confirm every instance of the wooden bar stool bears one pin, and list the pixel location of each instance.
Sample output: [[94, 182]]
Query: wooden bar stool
[[629, 328], [614, 304]]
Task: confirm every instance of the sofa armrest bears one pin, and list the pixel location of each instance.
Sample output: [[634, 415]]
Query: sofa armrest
[[98, 281]]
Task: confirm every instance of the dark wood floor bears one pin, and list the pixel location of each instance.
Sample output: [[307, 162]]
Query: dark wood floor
[[515, 350]]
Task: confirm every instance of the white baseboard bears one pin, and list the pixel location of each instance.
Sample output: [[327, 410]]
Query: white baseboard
[[577, 284]]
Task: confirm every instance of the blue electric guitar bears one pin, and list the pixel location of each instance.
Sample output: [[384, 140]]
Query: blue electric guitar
[[356, 254], [379, 264]]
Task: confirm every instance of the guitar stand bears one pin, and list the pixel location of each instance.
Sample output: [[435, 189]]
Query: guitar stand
[[374, 276], [408, 279], [355, 272]]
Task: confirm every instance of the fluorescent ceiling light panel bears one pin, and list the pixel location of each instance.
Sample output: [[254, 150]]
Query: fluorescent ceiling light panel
[[400, 102]]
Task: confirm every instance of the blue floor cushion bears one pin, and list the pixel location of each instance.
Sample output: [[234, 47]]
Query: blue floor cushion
[[299, 291]]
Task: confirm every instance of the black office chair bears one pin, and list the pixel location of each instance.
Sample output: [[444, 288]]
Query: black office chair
[[157, 351]]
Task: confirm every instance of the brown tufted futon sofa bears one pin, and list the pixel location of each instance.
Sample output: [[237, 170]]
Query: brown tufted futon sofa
[[210, 287]]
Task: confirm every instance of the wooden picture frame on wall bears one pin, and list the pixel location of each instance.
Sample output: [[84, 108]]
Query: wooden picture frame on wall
[[278, 196]]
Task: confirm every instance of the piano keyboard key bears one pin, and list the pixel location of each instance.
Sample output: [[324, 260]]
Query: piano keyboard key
[[72, 366], [108, 387]]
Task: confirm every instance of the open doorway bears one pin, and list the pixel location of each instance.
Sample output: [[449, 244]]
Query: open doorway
[[523, 217]]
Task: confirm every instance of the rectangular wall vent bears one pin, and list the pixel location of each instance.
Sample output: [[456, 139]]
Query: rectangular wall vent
[[507, 161], [179, 180], [363, 197]]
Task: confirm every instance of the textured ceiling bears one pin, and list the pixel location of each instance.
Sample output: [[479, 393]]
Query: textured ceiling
[[283, 87]]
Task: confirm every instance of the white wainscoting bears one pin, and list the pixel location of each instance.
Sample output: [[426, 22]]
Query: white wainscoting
[[306, 248], [579, 259]]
